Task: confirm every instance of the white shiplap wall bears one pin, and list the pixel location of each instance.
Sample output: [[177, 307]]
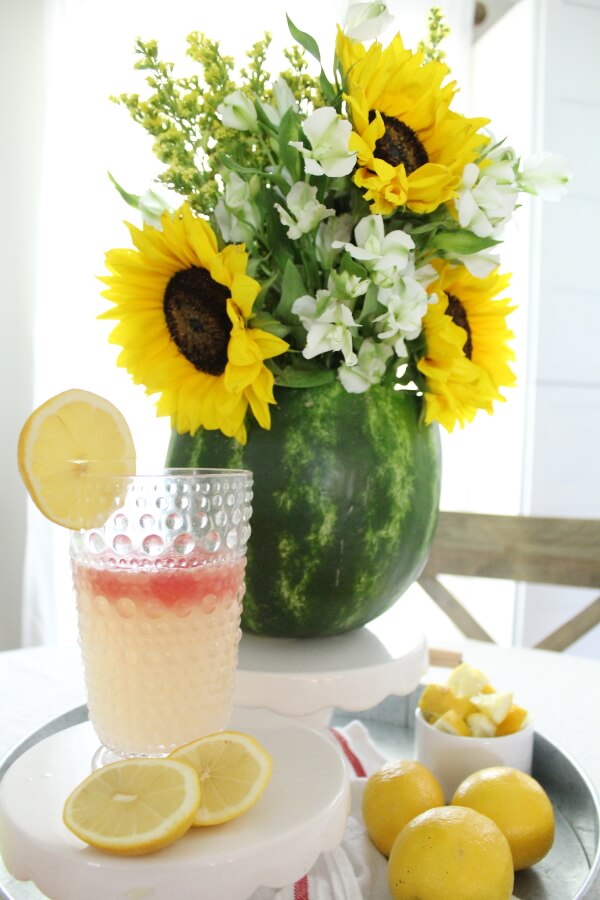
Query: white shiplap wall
[[562, 476]]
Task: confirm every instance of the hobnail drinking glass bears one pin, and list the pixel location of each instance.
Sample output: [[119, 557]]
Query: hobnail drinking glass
[[159, 590]]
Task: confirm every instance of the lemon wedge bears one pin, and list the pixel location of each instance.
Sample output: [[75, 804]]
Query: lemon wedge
[[134, 806], [452, 723], [496, 705], [481, 725], [516, 719], [234, 771], [465, 680], [66, 448]]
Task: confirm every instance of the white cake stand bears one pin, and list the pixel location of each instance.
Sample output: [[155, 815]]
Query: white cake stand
[[307, 678], [302, 814]]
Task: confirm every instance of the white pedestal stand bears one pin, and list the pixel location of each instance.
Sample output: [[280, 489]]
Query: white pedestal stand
[[307, 678]]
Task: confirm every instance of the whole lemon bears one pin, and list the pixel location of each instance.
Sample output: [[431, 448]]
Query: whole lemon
[[519, 806], [451, 852], [393, 796]]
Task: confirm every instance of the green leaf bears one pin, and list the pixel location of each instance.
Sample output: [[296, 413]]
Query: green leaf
[[292, 287], [461, 242], [266, 322], [293, 377], [131, 199], [371, 306], [352, 266], [289, 130], [305, 40], [330, 94]]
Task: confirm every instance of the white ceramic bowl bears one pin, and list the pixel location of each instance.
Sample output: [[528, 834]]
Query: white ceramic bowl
[[451, 758]]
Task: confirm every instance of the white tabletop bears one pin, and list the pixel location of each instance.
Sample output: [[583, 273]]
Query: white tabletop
[[562, 692]]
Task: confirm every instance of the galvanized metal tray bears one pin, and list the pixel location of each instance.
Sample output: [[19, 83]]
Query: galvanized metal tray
[[571, 871]]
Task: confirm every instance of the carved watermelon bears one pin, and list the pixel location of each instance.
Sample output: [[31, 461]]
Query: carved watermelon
[[346, 494]]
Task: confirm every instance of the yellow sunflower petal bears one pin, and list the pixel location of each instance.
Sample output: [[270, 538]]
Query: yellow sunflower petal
[[260, 395], [269, 345], [244, 291], [459, 385]]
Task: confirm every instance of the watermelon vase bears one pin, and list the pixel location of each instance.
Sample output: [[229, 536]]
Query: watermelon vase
[[346, 497]]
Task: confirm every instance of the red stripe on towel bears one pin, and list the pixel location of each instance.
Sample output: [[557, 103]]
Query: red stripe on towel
[[301, 886], [353, 759], [301, 889]]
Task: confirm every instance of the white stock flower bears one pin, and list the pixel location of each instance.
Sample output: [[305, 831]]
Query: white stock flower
[[328, 322], [237, 111], [152, 206], [329, 136], [306, 211], [483, 204], [331, 236], [234, 231], [545, 175], [345, 286], [406, 304], [369, 369], [501, 163], [236, 214], [480, 265], [366, 21], [386, 256], [284, 100]]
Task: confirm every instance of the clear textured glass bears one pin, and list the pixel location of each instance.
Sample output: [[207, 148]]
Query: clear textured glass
[[159, 590]]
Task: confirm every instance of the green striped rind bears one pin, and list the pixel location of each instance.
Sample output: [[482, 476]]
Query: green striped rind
[[346, 493]]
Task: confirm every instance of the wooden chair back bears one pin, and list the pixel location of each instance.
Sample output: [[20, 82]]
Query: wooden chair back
[[530, 549]]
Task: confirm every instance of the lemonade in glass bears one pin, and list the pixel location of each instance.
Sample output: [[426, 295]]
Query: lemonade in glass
[[159, 590]]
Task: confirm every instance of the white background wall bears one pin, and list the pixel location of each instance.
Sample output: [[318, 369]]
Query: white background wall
[[21, 107], [562, 475]]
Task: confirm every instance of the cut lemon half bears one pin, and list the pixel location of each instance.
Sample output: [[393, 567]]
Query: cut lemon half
[[234, 771], [134, 806], [67, 447]]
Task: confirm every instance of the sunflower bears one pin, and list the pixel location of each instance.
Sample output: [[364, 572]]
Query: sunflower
[[411, 147], [467, 355], [183, 308]]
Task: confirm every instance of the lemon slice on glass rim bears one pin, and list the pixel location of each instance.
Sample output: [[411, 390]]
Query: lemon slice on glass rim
[[67, 448], [234, 771], [134, 806]]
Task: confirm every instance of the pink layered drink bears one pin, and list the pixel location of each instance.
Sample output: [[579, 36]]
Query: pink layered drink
[[159, 648]]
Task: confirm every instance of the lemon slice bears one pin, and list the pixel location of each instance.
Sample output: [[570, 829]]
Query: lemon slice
[[66, 448], [134, 806], [234, 770]]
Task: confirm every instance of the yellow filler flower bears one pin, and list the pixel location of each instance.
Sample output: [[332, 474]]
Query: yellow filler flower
[[411, 147], [467, 355], [183, 308]]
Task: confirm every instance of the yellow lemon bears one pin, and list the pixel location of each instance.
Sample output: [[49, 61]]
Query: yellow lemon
[[234, 771], [66, 449], [134, 806], [393, 796], [450, 853], [519, 806]]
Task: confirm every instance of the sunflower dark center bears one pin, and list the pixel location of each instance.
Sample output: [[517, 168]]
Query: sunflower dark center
[[195, 310], [399, 144], [457, 313]]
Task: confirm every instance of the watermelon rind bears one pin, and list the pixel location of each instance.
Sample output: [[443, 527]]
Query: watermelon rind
[[346, 497]]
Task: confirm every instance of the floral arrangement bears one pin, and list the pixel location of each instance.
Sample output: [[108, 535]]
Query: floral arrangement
[[341, 227]]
